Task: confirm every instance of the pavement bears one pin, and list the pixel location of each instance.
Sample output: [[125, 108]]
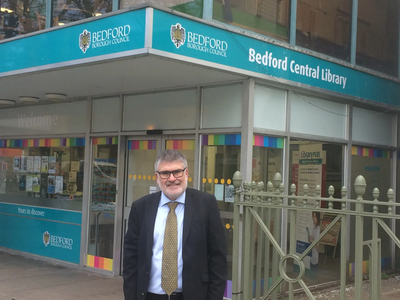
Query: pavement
[[27, 278]]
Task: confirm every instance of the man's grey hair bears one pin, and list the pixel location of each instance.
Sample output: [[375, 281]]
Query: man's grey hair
[[170, 156]]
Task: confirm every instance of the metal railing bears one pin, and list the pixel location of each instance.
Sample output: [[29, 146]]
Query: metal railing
[[260, 259]]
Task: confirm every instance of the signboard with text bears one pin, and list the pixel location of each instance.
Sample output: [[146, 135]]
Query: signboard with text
[[42, 231]]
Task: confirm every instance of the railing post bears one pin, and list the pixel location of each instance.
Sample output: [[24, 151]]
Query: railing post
[[292, 245], [277, 180], [374, 272], [359, 188], [247, 254], [236, 251], [343, 247]]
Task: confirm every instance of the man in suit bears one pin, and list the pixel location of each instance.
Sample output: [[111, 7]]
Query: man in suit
[[201, 243]]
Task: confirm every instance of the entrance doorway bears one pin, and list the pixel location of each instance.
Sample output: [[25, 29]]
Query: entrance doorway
[[141, 156]]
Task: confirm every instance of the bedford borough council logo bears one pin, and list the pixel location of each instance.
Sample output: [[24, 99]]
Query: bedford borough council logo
[[46, 238], [178, 35], [84, 40]]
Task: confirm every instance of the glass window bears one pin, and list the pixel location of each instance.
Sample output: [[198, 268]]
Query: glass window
[[220, 159], [316, 163], [269, 17], [375, 166], [193, 8], [169, 110], [106, 115], [315, 116], [103, 200], [222, 106], [372, 127], [46, 176], [64, 12], [20, 17], [141, 179], [378, 35], [267, 158], [269, 108], [324, 26]]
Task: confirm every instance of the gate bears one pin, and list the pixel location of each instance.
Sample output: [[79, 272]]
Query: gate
[[260, 263]]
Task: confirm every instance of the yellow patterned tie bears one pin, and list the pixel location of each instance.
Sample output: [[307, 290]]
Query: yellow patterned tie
[[169, 273]]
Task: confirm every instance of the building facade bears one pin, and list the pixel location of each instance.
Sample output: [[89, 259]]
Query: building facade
[[299, 88]]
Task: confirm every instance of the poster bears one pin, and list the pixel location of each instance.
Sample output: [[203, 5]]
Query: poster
[[51, 184], [58, 189], [311, 162], [219, 192], [229, 193], [29, 164], [52, 165], [36, 164], [72, 177], [17, 163], [36, 183], [29, 183], [23, 164], [75, 166], [45, 164]]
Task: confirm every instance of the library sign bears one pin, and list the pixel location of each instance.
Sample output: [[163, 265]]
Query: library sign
[[191, 39]]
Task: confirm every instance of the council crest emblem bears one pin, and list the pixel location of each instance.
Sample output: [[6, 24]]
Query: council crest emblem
[[46, 238], [178, 35], [84, 40]]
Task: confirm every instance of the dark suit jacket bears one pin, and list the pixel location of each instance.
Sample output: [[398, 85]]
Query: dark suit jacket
[[204, 271]]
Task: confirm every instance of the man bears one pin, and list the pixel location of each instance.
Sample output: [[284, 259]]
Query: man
[[200, 249]]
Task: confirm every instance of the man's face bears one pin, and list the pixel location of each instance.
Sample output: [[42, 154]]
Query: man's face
[[172, 187]]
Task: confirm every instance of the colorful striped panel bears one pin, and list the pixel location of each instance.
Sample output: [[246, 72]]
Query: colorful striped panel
[[180, 144], [100, 262], [142, 145], [266, 141], [105, 141], [42, 143], [371, 152], [221, 140]]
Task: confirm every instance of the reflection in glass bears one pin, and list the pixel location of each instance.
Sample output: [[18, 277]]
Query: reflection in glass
[[21, 16], [43, 176], [141, 179], [324, 26], [64, 12], [269, 18], [218, 164], [103, 199], [325, 170], [193, 8], [266, 162], [378, 35]]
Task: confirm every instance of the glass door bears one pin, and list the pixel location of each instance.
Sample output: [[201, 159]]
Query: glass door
[[141, 156]]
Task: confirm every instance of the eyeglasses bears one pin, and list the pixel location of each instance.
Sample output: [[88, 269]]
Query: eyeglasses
[[176, 173]]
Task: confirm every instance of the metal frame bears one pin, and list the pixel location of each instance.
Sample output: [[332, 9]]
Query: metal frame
[[255, 206]]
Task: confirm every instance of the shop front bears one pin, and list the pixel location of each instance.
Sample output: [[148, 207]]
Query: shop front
[[139, 81]]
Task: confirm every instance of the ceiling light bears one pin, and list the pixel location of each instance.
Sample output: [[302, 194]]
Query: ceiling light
[[7, 102], [27, 99], [56, 97]]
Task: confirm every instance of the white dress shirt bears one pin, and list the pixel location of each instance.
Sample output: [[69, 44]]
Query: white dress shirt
[[158, 242]]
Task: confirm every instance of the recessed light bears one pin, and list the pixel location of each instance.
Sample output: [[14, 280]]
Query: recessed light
[[28, 99], [56, 97], [7, 102]]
